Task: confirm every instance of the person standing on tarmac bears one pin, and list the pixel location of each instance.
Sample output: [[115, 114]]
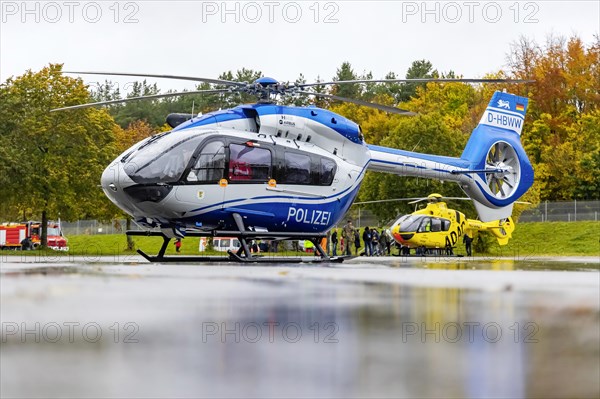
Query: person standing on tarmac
[[348, 234], [334, 242], [356, 241], [375, 250], [367, 239], [468, 240], [384, 241]]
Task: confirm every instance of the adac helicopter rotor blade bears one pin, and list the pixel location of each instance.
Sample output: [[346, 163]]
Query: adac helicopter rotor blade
[[385, 200], [460, 199], [124, 100], [417, 80], [380, 107], [417, 200], [142, 75]]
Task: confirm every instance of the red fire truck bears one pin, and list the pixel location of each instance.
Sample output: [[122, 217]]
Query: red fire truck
[[12, 234]]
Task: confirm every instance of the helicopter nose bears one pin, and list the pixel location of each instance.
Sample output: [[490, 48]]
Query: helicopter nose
[[113, 181], [396, 233], [401, 237]]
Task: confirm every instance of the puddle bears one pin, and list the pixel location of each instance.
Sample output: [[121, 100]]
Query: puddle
[[230, 332]]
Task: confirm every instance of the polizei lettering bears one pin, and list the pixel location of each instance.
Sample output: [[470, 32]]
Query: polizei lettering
[[309, 216]]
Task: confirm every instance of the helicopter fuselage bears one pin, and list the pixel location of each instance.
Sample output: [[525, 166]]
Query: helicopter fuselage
[[439, 227], [280, 168], [436, 226], [271, 168]]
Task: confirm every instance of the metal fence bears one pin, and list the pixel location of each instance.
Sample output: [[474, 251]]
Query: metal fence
[[93, 227], [567, 211]]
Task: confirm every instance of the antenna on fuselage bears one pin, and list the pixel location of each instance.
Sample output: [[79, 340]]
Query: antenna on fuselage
[[416, 145]]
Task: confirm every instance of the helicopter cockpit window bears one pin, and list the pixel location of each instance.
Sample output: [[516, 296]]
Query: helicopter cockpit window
[[327, 171], [249, 163], [409, 223], [297, 169], [436, 225], [425, 226], [210, 165], [164, 160], [445, 225]]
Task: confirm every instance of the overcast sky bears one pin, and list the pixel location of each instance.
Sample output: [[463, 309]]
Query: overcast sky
[[279, 38]]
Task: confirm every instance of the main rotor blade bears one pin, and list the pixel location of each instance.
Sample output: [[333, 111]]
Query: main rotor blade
[[457, 198], [417, 80], [142, 75], [417, 200], [386, 200], [124, 100], [361, 102]]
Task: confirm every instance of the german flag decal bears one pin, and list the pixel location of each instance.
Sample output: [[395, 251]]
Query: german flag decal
[[520, 107]]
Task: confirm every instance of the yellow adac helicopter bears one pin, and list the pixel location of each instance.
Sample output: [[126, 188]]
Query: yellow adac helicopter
[[437, 229]]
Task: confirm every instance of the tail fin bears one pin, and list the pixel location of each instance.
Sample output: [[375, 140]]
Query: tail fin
[[501, 229], [500, 171]]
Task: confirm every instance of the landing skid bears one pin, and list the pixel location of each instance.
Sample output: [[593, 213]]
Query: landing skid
[[289, 259], [440, 255], [244, 255]]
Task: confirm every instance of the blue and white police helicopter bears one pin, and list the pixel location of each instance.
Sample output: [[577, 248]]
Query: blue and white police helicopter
[[267, 171]]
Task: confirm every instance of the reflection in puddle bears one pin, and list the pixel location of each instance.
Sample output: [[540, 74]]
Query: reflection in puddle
[[243, 336], [488, 264]]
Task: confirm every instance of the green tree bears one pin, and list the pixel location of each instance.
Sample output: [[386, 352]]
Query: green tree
[[561, 134], [418, 70], [426, 133], [345, 72], [52, 161]]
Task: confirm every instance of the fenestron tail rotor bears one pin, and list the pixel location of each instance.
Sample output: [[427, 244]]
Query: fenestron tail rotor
[[504, 169]]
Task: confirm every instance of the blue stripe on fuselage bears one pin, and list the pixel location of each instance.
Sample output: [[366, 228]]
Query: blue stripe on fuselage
[[290, 217]]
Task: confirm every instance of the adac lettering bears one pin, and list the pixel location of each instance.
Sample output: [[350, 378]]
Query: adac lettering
[[308, 216], [452, 238]]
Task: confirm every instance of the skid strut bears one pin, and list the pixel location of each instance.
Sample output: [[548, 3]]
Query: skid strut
[[243, 255]]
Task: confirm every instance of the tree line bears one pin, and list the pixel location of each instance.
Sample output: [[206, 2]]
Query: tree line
[[51, 163]]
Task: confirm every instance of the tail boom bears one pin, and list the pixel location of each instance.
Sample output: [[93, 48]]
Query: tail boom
[[493, 170], [501, 229]]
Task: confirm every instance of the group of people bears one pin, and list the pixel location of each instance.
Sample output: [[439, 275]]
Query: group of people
[[375, 243]]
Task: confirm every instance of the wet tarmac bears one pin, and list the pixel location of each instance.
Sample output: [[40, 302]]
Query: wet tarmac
[[370, 327]]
